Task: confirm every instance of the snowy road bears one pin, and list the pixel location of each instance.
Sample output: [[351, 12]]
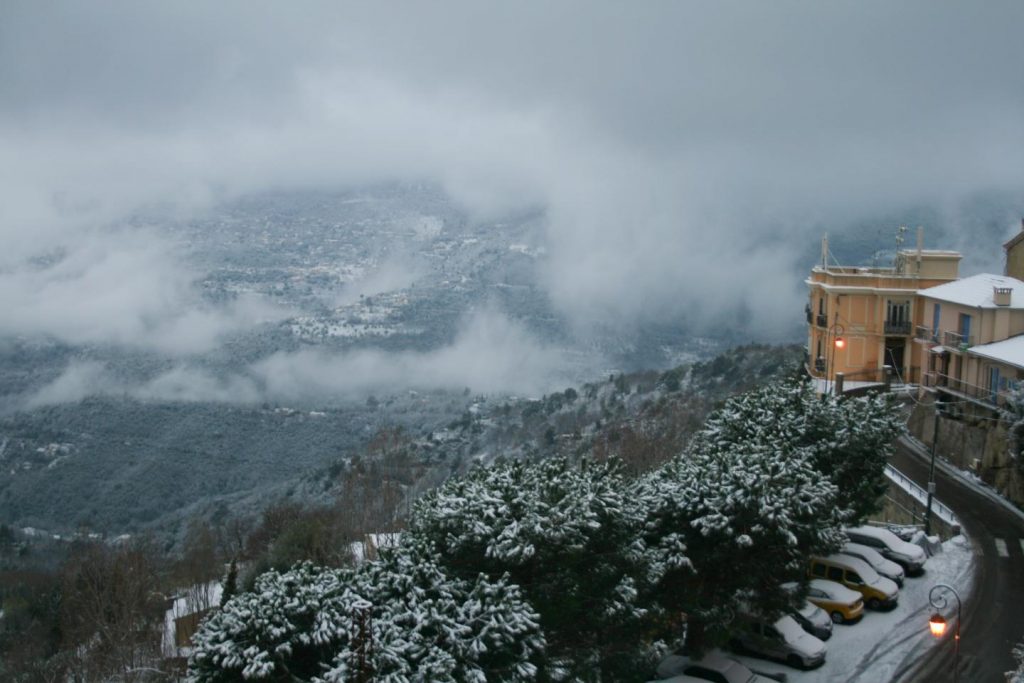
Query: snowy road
[[993, 620]]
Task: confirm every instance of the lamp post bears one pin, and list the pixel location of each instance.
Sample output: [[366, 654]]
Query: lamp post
[[931, 472], [838, 343], [937, 623]]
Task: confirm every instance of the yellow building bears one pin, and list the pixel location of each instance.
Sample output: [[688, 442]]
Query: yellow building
[[1015, 255], [969, 330], [873, 311]]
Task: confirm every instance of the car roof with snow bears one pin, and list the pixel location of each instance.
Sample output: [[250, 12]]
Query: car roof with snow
[[866, 572], [870, 554], [835, 591], [889, 538]]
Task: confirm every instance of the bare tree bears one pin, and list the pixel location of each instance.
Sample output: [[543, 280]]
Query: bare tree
[[111, 611]]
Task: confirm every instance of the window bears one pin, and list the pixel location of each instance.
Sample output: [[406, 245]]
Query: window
[[835, 574], [936, 311], [818, 569], [853, 577], [897, 312], [964, 328]]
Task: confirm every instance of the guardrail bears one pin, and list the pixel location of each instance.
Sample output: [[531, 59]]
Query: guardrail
[[908, 485]]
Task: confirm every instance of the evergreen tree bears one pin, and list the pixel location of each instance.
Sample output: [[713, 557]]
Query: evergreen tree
[[400, 619], [570, 536], [849, 440], [726, 528]]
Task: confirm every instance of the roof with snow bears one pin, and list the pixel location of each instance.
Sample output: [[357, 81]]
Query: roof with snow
[[976, 291], [1009, 351]]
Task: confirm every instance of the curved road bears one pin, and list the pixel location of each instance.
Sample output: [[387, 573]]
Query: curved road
[[993, 613]]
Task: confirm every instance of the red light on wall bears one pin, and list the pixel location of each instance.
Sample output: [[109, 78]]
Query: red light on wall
[[840, 343]]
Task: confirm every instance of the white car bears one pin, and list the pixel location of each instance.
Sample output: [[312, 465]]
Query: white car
[[714, 666], [886, 568], [891, 546], [783, 640]]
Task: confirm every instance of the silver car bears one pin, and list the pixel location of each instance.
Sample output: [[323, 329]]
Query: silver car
[[886, 568], [891, 547], [783, 640]]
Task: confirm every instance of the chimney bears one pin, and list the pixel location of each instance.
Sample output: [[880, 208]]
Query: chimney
[[1001, 295]]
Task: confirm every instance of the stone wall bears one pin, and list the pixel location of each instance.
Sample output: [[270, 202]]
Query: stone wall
[[904, 509], [972, 438]]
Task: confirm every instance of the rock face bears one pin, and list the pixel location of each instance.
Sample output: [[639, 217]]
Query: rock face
[[972, 440]]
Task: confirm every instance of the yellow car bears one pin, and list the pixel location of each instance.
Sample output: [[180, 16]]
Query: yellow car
[[856, 574], [845, 606]]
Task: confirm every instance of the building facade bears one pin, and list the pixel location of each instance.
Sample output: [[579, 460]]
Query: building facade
[[873, 312], [968, 332]]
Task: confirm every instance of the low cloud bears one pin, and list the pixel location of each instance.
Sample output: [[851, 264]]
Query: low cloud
[[125, 288], [490, 354], [685, 154]]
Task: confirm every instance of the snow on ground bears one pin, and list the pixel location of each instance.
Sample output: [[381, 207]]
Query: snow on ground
[[882, 645]]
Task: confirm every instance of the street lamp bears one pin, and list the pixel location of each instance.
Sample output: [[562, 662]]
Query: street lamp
[[937, 623], [838, 343]]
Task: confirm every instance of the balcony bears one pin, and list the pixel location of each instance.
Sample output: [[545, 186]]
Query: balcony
[[925, 333], [962, 389], [955, 340], [810, 316], [821, 320], [898, 327], [819, 365]]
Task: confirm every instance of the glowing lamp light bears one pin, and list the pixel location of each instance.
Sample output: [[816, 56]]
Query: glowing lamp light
[[840, 343], [937, 624]]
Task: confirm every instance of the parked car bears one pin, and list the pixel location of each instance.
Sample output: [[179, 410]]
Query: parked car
[[845, 606], [713, 666], [891, 546], [878, 591], [681, 678], [783, 640], [886, 568], [814, 620]]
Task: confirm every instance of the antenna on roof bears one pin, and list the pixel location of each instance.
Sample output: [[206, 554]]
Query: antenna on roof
[[920, 248], [899, 262]]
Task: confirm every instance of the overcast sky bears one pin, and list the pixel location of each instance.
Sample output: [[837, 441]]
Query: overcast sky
[[685, 152]]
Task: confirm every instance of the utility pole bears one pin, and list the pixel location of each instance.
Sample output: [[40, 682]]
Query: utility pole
[[931, 472]]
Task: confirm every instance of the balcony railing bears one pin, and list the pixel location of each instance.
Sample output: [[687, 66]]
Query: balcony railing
[[819, 365], [935, 379], [955, 340], [900, 327], [822, 320], [925, 333]]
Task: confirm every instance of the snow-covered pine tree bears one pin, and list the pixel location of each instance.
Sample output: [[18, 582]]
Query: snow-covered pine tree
[[570, 536], [398, 620], [726, 527], [849, 439]]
